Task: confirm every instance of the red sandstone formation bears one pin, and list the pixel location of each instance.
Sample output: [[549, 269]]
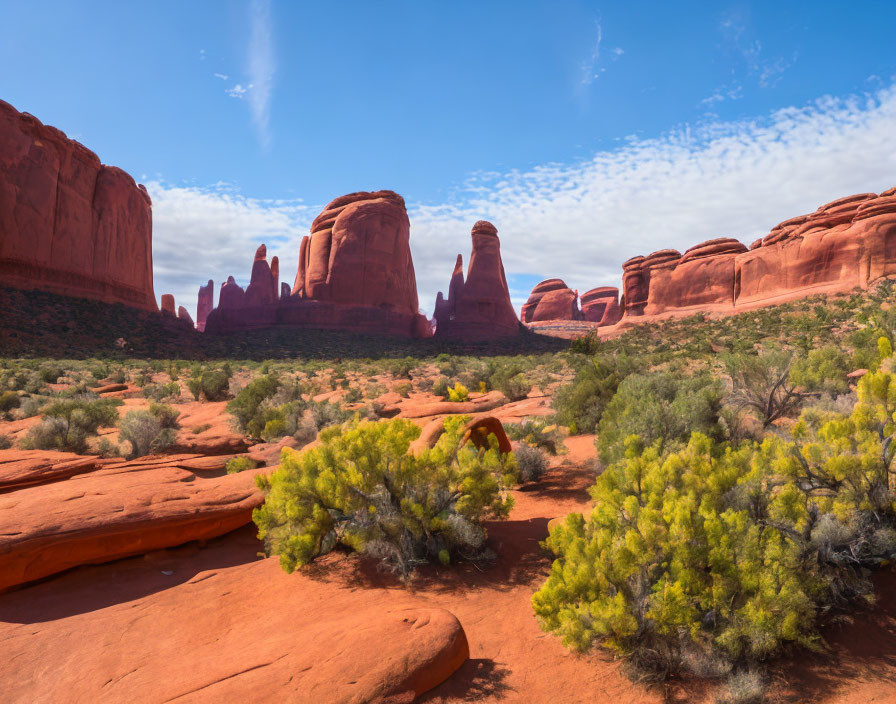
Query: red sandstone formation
[[355, 273], [601, 305], [205, 304], [551, 300], [184, 315], [636, 278], [479, 307], [168, 304], [123, 509], [69, 224], [21, 468], [845, 244]]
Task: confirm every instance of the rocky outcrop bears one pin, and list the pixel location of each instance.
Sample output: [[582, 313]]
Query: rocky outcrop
[[168, 304], [21, 468], [205, 304], [843, 245], [119, 510], [192, 628], [69, 224], [184, 314], [551, 300], [478, 307], [601, 305], [355, 273]]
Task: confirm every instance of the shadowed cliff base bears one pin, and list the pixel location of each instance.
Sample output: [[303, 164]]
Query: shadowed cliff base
[[37, 323]]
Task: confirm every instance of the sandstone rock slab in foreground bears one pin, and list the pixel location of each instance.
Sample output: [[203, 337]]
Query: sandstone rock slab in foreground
[[118, 511], [246, 633]]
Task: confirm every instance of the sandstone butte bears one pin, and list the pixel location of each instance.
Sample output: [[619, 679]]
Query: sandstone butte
[[70, 225], [478, 307], [551, 300], [355, 273], [847, 244], [205, 304]]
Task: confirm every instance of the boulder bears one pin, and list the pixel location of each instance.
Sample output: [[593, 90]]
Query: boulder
[[478, 307], [205, 304], [601, 305], [119, 510], [551, 300], [71, 225]]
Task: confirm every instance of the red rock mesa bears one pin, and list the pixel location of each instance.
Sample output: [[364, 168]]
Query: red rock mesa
[[204, 304], [601, 305], [479, 307], [69, 224]]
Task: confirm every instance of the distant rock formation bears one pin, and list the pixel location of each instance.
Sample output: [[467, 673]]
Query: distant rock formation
[[184, 315], [479, 307], [552, 299], [355, 273], [205, 304], [168, 304], [843, 245], [601, 305], [69, 224]]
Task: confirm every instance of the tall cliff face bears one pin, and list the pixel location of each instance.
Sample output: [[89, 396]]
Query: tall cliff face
[[478, 307], [845, 244], [359, 253], [355, 273], [69, 224]]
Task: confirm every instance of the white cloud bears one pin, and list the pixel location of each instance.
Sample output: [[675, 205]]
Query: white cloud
[[222, 76], [589, 67], [261, 68], [733, 91], [578, 221], [238, 91]]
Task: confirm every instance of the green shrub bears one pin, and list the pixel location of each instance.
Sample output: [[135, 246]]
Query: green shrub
[[246, 407], [580, 404], [166, 415], [661, 408], [8, 401], [440, 387], [239, 464], [50, 375], [274, 429], [459, 393], [761, 383], [67, 424], [403, 390], [823, 370], [363, 490], [145, 432], [325, 414], [5, 441], [213, 384], [733, 553], [157, 392]]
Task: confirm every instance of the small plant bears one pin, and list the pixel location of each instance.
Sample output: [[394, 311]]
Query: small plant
[[197, 429], [744, 687], [235, 465], [145, 432], [213, 384], [403, 390], [440, 387], [531, 463], [5, 441], [68, 423], [459, 393], [105, 448], [9, 400]]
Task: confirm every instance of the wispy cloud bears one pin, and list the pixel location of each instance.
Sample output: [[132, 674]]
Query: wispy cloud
[[578, 221], [767, 71], [590, 69], [238, 91], [262, 66], [732, 91], [222, 76]]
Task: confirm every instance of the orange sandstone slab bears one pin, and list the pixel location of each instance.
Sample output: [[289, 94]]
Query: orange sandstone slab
[[124, 509]]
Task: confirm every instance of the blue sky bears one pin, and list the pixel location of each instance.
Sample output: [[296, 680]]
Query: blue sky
[[588, 132]]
